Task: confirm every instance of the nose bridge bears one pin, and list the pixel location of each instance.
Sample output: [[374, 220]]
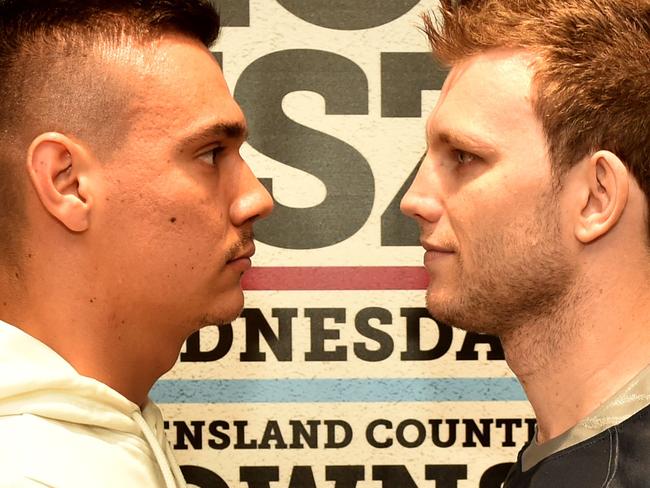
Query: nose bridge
[[252, 200], [423, 198], [426, 179]]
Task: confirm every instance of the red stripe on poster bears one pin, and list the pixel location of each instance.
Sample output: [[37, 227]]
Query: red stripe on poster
[[336, 278]]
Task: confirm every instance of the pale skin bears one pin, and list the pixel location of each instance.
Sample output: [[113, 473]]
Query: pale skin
[[486, 184], [127, 255]]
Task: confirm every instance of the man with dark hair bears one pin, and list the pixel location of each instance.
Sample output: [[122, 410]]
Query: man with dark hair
[[126, 225], [533, 205]]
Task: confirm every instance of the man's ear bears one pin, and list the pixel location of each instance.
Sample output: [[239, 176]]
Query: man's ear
[[607, 187], [57, 167]]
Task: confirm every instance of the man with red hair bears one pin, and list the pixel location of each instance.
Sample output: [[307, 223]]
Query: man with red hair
[[533, 203]]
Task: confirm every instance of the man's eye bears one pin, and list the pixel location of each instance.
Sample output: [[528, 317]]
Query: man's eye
[[463, 157], [210, 157]]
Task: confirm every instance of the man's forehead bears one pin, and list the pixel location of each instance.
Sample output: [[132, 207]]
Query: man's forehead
[[501, 70], [487, 91], [179, 84]]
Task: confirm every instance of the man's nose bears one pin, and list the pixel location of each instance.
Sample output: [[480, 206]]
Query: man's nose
[[422, 200], [254, 201]]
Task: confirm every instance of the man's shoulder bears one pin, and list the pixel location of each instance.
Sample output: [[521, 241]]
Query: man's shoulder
[[632, 465], [615, 458], [60, 454]]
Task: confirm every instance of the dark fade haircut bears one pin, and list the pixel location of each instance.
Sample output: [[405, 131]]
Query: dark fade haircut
[[52, 79], [592, 72]]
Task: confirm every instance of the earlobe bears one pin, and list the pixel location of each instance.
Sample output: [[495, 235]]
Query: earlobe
[[606, 180], [56, 166]]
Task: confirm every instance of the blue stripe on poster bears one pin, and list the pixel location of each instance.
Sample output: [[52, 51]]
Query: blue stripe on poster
[[338, 390]]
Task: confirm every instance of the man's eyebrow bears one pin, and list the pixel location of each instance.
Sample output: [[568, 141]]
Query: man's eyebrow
[[462, 140], [229, 130]]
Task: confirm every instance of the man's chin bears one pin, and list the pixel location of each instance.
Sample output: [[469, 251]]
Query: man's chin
[[222, 314], [215, 319], [441, 307], [453, 313]]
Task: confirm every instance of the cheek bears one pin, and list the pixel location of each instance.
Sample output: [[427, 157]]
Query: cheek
[[173, 219], [474, 211], [479, 224], [196, 234]]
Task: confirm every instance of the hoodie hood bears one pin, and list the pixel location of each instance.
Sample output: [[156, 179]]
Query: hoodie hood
[[36, 380]]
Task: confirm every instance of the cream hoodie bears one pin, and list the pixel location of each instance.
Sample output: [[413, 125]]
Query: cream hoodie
[[60, 429]]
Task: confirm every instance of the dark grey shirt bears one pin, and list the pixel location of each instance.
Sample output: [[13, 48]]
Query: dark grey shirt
[[608, 449]]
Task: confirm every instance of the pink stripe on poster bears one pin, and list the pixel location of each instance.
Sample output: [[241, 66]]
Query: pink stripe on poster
[[336, 278]]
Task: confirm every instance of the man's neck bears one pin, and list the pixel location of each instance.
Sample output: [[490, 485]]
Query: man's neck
[[98, 347], [571, 361]]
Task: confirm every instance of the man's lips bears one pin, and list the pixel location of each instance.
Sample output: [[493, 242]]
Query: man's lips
[[435, 252], [436, 248], [246, 253]]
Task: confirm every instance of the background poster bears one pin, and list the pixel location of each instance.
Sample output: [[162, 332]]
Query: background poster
[[335, 375]]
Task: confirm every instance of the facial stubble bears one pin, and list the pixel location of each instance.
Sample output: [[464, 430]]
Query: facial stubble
[[518, 274], [207, 319]]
